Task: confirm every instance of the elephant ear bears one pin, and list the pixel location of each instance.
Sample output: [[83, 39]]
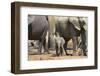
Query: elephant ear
[[85, 20], [75, 22], [85, 27]]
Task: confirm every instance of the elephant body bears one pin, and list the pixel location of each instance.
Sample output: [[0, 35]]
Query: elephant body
[[37, 30], [59, 41]]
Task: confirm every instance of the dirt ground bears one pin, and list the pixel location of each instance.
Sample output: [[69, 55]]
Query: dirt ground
[[34, 56], [50, 57]]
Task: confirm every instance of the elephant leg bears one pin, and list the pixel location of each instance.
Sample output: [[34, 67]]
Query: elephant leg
[[45, 44], [62, 50], [65, 47], [57, 49], [40, 47], [74, 40], [84, 48]]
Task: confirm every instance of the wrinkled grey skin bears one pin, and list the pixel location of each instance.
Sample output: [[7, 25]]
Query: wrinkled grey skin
[[37, 30], [68, 31], [83, 33]]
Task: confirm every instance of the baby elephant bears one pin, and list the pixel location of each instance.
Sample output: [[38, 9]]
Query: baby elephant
[[59, 41]]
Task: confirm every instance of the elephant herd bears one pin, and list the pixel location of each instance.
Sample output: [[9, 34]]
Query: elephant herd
[[56, 31]]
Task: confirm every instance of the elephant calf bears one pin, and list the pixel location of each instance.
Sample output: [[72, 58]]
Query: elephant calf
[[59, 42]]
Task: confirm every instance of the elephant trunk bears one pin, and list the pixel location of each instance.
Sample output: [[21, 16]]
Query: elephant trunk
[[83, 41]]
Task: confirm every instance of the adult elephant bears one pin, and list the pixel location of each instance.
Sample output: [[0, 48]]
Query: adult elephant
[[72, 28], [37, 30]]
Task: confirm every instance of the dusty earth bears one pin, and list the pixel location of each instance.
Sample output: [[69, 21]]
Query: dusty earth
[[52, 56], [33, 54]]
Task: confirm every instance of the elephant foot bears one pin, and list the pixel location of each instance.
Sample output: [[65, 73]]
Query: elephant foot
[[62, 54], [85, 54], [57, 54], [75, 53], [46, 52], [67, 53]]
